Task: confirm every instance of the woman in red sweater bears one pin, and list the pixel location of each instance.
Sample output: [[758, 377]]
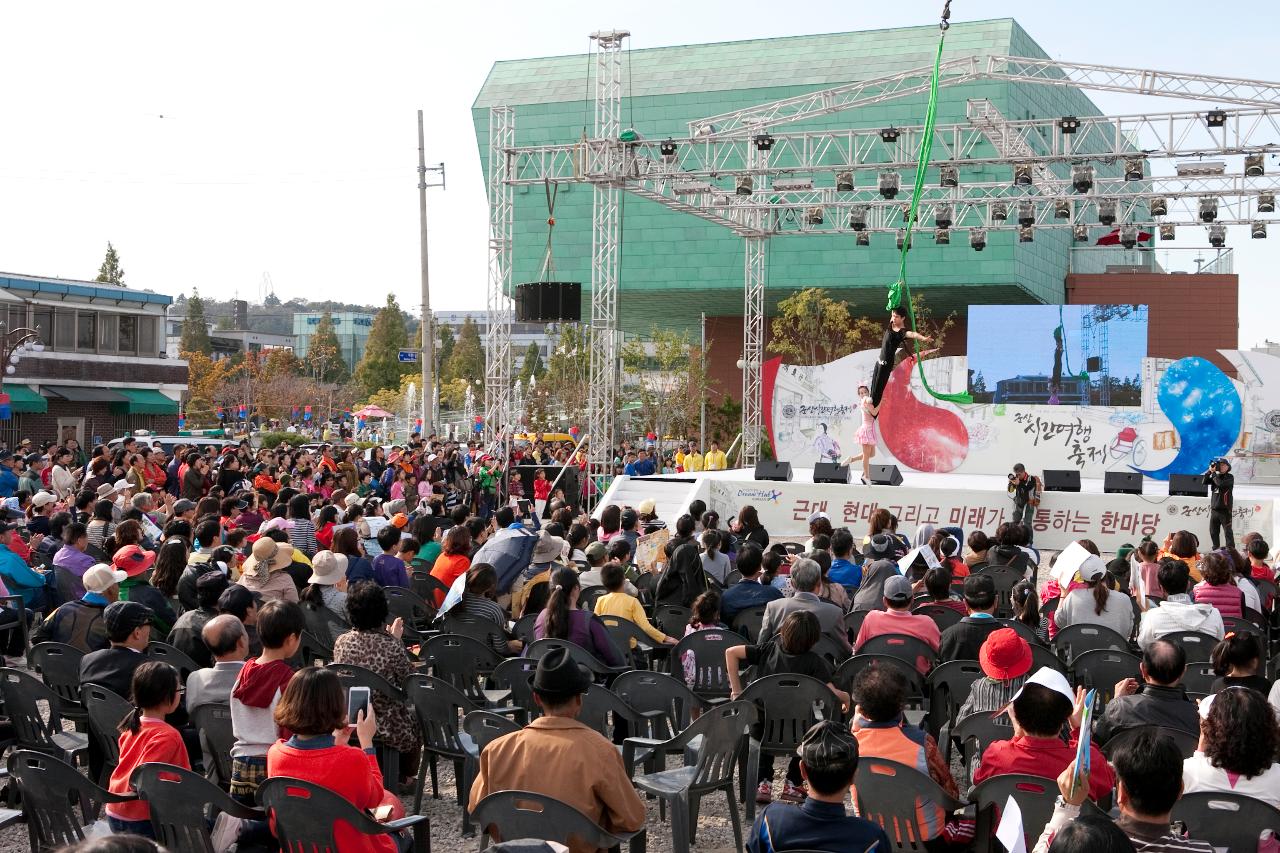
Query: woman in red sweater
[[313, 708], [145, 737]]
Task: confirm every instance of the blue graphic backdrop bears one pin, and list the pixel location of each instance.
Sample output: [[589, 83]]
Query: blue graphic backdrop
[[1205, 410]]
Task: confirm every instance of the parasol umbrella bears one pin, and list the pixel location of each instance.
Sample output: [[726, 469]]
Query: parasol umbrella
[[372, 411]]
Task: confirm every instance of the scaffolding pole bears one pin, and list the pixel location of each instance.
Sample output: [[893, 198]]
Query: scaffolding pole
[[756, 271], [497, 373]]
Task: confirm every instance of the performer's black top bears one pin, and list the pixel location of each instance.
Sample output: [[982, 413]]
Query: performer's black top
[[889, 346], [1222, 486]]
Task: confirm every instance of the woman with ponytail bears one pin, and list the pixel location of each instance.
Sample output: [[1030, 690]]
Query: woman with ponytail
[[563, 620], [1236, 661], [145, 738], [1095, 603]]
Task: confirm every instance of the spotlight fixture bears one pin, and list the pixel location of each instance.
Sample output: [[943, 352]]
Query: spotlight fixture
[[1080, 233], [1266, 202], [1022, 174], [1215, 118], [1000, 210], [858, 218], [1134, 169], [1026, 213], [942, 216], [1082, 178], [1258, 230], [793, 185], [1167, 230], [691, 187], [744, 185], [1208, 209], [1025, 234], [763, 141], [863, 238], [1107, 211], [1062, 208], [1253, 166], [906, 214], [1200, 168], [704, 130], [890, 134], [1217, 236], [1128, 236], [668, 148], [978, 239], [889, 182], [902, 239], [844, 182], [1068, 124], [942, 236], [948, 176], [1159, 207], [813, 215]]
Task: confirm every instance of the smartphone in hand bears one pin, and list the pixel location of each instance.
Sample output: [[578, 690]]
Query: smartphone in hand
[[357, 701]]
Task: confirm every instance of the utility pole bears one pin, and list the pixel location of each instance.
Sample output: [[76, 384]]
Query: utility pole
[[427, 356]]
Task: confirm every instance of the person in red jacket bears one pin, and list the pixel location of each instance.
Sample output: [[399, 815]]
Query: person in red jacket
[[313, 709], [144, 738]]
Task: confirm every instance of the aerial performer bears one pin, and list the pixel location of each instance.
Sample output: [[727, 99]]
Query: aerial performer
[[894, 336], [1055, 386]]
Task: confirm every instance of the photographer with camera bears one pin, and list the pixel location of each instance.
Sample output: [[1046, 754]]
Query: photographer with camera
[[1025, 489], [1221, 483]]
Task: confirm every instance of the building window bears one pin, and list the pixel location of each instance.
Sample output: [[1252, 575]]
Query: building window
[[86, 331], [128, 334], [108, 325], [64, 331], [17, 317], [147, 336], [42, 318]]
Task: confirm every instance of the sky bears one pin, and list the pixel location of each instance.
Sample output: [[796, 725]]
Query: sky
[[989, 353], [225, 146]]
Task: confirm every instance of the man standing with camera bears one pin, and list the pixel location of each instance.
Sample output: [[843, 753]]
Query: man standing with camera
[[1221, 483], [1025, 490]]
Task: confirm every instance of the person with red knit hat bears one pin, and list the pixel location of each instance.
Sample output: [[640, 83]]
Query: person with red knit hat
[[1005, 659]]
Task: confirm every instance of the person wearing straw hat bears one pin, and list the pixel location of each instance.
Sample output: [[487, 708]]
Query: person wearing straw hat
[[264, 570]]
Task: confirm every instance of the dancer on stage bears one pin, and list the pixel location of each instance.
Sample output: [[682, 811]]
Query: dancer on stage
[[866, 433], [894, 336]]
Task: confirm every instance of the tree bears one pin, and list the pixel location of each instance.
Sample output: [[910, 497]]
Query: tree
[[271, 300], [926, 325], [444, 348], [466, 356], [223, 323], [381, 367], [812, 328], [724, 422], [568, 377], [111, 272], [324, 354], [278, 363], [533, 367], [195, 329], [205, 379], [665, 375]]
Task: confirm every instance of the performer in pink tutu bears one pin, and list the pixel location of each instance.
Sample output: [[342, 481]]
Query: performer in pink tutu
[[866, 436]]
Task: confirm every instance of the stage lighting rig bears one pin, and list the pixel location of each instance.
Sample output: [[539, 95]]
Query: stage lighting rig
[[1000, 210], [1026, 214], [1159, 207], [858, 217], [1022, 174], [1217, 236], [844, 182], [948, 176], [1025, 234], [1258, 230], [1167, 231], [1266, 202], [978, 239], [890, 134], [1253, 166], [889, 183], [744, 185], [1107, 211], [902, 239], [863, 238], [813, 215], [1080, 233], [1128, 236], [763, 141], [1215, 118], [1062, 209], [1208, 209], [942, 216], [942, 236], [1068, 124], [668, 149], [1134, 169], [1082, 178]]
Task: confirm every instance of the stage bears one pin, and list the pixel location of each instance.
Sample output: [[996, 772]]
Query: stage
[[968, 501]]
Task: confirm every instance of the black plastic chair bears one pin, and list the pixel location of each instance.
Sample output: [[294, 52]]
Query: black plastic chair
[[461, 661], [589, 595], [1005, 579], [599, 669], [524, 814], [748, 622], [484, 727], [917, 694], [787, 707], [312, 651], [1101, 669], [352, 675], [178, 799], [325, 625], [894, 796], [425, 585], [975, 732], [949, 684], [1023, 630], [853, 623], [106, 710], [711, 678], [417, 612], [1075, 640], [456, 622], [1226, 820], [602, 710], [305, 814], [671, 619], [523, 628], [213, 721], [157, 650], [440, 707], [1198, 679], [1241, 625], [944, 617], [624, 633], [1198, 646], [59, 666], [514, 674], [21, 693], [1034, 795], [658, 691], [1043, 656], [51, 792], [830, 650], [1187, 742], [907, 648]]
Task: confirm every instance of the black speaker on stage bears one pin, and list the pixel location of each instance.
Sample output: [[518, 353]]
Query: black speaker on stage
[[1188, 486], [1122, 483], [830, 472], [1062, 481], [886, 475], [549, 302], [1093, 364], [772, 469]]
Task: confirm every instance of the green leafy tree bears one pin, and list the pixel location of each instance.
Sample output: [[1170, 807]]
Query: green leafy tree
[[222, 324], [665, 375], [324, 354], [564, 386], [271, 300], [466, 356], [381, 367], [533, 368], [813, 328], [444, 345], [195, 328], [111, 272]]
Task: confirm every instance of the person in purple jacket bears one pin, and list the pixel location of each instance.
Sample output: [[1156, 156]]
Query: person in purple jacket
[[71, 558], [563, 620], [388, 568]]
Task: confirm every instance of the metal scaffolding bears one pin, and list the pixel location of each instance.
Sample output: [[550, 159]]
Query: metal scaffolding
[[498, 417]]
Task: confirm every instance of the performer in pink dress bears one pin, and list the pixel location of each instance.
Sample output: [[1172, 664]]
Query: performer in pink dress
[[866, 433]]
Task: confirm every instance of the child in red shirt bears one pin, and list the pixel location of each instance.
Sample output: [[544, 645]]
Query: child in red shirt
[[1258, 568], [144, 738]]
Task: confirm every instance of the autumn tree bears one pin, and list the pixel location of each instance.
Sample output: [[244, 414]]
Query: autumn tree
[[666, 376], [927, 325], [568, 375], [381, 367], [533, 367], [812, 328], [324, 353], [195, 329], [111, 272], [206, 378], [466, 356]]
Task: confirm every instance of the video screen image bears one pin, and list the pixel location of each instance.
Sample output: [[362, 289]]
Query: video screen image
[[1057, 355]]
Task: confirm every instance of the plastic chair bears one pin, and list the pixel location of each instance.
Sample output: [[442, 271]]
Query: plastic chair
[[324, 624], [485, 727], [1075, 640], [352, 675], [907, 648], [589, 595], [456, 622], [1101, 669], [848, 671], [944, 617], [21, 693], [51, 790], [524, 814], [948, 687], [599, 668], [305, 815], [787, 706], [892, 795], [159, 651], [1226, 820], [417, 612], [312, 651], [1186, 741], [711, 679], [178, 799], [514, 674], [733, 577], [1198, 679], [213, 721], [623, 632], [722, 732], [602, 709], [853, 622], [59, 666], [1241, 625], [1198, 647], [461, 661], [1034, 795], [1004, 578], [658, 691], [440, 707], [1023, 630], [524, 628], [1042, 656], [672, 620], [106, 710], [830, 650], [425, 585], [748, 622], [975, 732]]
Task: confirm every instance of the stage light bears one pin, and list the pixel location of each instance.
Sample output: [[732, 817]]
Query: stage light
[[1128, 236], [844, 182], [1266, 202], [1082, 178], [890, 134], [1258, 230], [763, 141], [889, 182], [1080, 233], [1026, 213], [1000, 210], [1253, 166], [858, 218], [942, 215], [1217, 236], [813, 215], [1215, 118], [668, 149], [1107, 211], [942, 236], [1167, 231], [948, 176], [705, 130], [902, 239], [1159, 207], [905, 210], [744, 185], [1069, 124], [690, 187], [793, 185], [863, 238], [1134, 169], [1025, 234], [978, 239], [1022, 174], [1208, 209], [1200, 169], [1062, 209]]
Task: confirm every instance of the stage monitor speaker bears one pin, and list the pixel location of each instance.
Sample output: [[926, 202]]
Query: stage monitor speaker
[[1122, 483], [549, 302], [1093, 364], [1062, 481], [772, 469], [830, 472], [1188, 486], [886, 475]]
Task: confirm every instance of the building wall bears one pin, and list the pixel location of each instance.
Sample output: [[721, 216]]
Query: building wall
[[99, 423], [351, 327]]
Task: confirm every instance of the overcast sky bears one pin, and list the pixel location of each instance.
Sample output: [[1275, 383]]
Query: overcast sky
[[216, 144]]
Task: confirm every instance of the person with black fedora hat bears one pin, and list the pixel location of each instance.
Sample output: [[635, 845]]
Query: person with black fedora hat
[[559, 757]]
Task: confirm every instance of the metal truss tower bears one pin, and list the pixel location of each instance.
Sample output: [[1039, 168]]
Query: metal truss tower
[[498, 417], [603, 165], [755, 277]]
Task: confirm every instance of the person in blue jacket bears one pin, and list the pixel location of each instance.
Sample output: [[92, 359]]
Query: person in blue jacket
[[8, 479], [18, 577]]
